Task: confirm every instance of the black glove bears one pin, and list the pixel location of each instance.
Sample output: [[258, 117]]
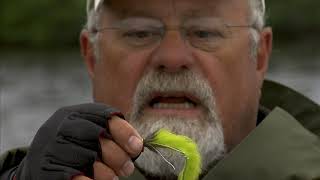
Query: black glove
[[67, 145]]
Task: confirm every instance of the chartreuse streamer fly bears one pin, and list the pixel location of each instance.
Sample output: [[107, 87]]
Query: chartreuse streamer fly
[[181, 144]]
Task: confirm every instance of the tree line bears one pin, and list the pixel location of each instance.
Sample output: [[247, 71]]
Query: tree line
[[56, 24]]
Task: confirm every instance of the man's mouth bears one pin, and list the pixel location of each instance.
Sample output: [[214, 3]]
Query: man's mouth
[[173, 104]]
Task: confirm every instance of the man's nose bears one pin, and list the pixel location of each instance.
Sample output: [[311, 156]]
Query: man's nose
[[173, 54]]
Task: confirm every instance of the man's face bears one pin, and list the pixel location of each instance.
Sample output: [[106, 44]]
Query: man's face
[[180, 77]]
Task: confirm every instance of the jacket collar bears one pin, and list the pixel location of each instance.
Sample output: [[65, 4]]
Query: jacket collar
[[301, 108]]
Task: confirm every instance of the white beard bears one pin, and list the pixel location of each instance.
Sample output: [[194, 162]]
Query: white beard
[[206, 130], [209, 139]]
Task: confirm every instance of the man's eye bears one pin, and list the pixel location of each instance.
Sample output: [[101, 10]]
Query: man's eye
[[139, 34], [141, 37], [205, 34]]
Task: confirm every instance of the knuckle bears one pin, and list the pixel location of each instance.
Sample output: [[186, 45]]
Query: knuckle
[[126, 136], [120, 127], [112, 154], [116, 158]]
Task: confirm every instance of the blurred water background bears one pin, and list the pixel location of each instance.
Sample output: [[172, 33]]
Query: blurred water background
[[41, 68]]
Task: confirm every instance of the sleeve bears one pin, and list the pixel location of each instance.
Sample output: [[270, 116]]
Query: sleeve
[[11, 159]]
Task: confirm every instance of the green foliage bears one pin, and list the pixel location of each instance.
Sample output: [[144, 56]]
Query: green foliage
[[53, 24], [294, 20], [45, 23]]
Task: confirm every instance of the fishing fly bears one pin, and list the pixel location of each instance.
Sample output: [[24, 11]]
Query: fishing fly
[[182, 144]]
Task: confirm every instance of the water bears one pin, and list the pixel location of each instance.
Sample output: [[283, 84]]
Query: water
[[32, 90]]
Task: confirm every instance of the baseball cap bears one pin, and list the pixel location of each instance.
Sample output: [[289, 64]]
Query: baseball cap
[[93, 4]]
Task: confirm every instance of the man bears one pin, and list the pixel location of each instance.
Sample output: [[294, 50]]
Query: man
[[194, 67]]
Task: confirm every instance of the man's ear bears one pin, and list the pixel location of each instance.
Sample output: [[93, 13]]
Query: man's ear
[[87, 52], [264, 52]]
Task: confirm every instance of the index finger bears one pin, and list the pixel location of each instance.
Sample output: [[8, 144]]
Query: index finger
[[125, 136]]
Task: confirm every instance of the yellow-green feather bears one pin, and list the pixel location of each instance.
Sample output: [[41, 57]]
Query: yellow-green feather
[[185, 146]]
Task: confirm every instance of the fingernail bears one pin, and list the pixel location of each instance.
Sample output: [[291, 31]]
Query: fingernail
[[116, 178], [128, 168], [135, 143]]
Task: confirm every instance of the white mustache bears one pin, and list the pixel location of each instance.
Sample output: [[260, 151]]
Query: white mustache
[[185, 82]]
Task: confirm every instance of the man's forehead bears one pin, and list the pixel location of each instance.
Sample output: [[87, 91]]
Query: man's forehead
[[95, 4], [162, 9], [183, 8]]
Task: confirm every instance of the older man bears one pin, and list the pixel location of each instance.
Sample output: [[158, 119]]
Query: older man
[[194, 67]]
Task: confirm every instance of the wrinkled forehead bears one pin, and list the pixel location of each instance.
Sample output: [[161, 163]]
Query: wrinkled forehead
[[184, 8]]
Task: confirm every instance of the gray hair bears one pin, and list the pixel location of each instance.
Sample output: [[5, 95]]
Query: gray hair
[[256, 19]]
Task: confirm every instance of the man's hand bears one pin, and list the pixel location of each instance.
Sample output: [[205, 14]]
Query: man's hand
[[82, 142], [117, 153]]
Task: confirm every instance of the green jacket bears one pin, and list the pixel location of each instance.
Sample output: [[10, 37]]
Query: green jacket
[[284, 146]]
